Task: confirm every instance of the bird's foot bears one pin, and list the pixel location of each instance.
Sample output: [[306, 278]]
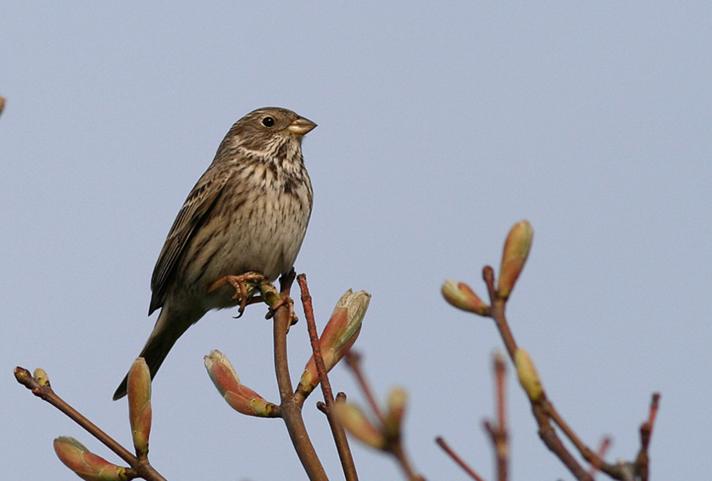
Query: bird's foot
[[283, 300], [244, 285]]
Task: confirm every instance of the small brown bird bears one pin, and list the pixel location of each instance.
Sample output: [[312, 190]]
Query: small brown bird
[[248, 213]]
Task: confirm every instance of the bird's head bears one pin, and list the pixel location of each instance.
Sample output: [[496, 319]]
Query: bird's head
[[264, 131]]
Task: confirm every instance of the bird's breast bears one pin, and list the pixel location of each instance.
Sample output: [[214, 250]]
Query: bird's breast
[[259, 225]]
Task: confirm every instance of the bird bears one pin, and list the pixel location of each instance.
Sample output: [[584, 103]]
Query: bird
[[248, 213]]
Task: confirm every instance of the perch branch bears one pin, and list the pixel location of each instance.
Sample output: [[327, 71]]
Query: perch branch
[[291, 411]]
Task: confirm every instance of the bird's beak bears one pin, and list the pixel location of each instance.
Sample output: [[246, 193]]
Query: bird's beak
[[301, 126]]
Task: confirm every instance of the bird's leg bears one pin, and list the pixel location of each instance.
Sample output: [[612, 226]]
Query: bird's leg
[[244, 285]]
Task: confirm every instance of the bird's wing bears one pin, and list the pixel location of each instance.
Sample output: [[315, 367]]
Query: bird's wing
[[200, 201]]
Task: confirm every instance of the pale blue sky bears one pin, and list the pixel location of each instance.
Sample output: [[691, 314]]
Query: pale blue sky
[[440, 124]]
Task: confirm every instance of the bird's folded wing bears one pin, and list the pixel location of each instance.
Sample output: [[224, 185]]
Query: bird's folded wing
[[196, 208]]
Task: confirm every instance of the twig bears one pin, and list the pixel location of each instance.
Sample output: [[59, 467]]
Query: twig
[[337, 431], [291, 411], [587, 453], [394, 444], [642, 461], [516, 250], [353, 360], [458, 459], [497, 312], [405, 463], [546, 431], [601, 453], [141, 467], [544, 412], [498, 433]]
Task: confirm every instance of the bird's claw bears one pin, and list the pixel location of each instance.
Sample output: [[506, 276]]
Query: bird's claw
[[245, 285], [242, 288], [284, 300]]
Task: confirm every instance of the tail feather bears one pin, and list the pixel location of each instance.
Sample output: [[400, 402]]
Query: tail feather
[[164, 335]]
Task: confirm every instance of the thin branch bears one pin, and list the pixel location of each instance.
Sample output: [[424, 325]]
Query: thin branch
[[497, 312], [291, 411], [553, 442], [498, 433], [337, 431], [546, 431], [353, 360], [141, 467], [642, 461], [544, 412], [586, 452], [601, 453], [394, 442], [404, 462], [500, 370], [458, 459]]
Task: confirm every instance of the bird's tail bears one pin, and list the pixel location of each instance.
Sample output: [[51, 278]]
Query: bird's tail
[[169, 327]]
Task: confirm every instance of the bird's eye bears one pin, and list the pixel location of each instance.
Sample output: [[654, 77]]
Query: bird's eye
[[268, 121]]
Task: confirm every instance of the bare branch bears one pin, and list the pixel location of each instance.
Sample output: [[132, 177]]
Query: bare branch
[[393, 439], [44, 391], [337, 431], [458, 459], [291, 411], [642, 461]]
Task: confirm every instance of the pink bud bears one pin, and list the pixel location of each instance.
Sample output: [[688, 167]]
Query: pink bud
[[86, 464], [338, 336], [397, 401], [139, 396], [241, 398], [514, 256], [460, 295], [355, 422]]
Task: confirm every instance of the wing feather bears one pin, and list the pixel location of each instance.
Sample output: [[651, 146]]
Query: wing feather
[[199, 203]]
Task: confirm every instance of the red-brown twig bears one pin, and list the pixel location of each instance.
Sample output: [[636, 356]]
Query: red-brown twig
[[405, 463], [394, 445], [353, 360], [291, 411], [498, 433], [601, 454], [497, 312], [458, 459], [546, 431], [586, 452], [545, 412], [337, 431], [140, 467], [642, 461]]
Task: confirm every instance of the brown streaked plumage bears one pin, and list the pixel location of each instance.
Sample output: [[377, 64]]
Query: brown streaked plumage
[[248, 212]]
